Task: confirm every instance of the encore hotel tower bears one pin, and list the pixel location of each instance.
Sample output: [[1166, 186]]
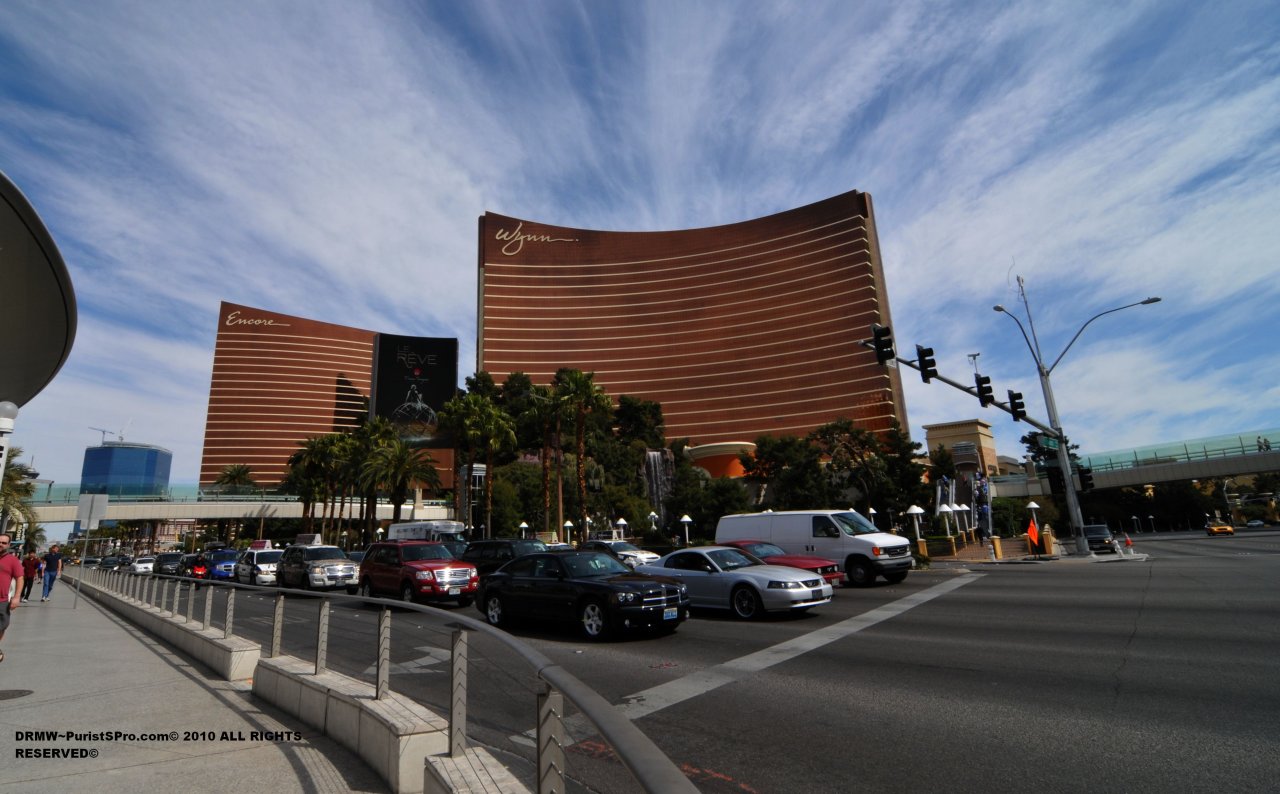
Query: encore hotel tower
[[739, 331]]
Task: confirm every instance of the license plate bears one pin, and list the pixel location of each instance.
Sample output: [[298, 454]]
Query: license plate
[[817, 595], [455, 590], [671, 613]]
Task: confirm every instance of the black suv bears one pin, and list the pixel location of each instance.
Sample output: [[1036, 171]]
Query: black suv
[[1099, 537], [490, 555], [167, 563]]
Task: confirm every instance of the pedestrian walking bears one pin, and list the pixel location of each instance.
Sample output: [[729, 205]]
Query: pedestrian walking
[[31, 566], [52, 570], [10, 585]]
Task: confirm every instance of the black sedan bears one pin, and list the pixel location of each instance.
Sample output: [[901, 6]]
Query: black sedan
[[589, 588]]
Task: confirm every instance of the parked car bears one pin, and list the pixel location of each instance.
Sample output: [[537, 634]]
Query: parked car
[[589, 588], [1255, 523], [90, 562], [626, 552], [490, 555], [358, 556], [723, 577], [416, 570], [109, 563], [1099, 538], [772, 554], [1219, 528], [258, 566], [167, 563], [142, 565], [844, 535], [222, 565], [316, 568]]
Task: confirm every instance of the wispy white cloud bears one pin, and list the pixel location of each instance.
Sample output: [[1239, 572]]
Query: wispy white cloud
[[329, 160]]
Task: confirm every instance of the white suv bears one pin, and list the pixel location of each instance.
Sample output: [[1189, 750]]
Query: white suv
[[258, 566]]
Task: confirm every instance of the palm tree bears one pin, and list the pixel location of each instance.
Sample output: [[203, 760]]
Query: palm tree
[[396, 467], [582, 396], [236, 476], [15, 491], [304, 477], [544, 409], [496, 432]]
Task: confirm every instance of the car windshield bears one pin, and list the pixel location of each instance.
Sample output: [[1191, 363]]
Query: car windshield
[[325, 553], [224, 556], [267, 556], [731, 559], [146, 559], [853, 524], [168, 557], [622, 545], [1096, 532], [426, 552], [764, 550], [594, 564], [521, 547]]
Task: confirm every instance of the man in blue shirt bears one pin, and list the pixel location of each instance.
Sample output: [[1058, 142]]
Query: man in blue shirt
[[52, 570]]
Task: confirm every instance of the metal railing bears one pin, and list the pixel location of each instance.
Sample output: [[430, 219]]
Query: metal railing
[[469, 646]]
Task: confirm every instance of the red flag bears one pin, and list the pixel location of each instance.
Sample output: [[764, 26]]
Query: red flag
[[1033, 532]]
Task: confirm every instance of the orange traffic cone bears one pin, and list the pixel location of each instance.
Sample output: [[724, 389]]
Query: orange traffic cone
[[1128, 541]]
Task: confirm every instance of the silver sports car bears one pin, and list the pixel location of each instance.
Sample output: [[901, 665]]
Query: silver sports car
[[723, 577]]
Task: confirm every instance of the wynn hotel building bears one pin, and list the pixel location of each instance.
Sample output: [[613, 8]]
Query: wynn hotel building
[[738, 331]]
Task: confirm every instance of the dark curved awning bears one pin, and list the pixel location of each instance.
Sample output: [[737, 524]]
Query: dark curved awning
[[37, 302]]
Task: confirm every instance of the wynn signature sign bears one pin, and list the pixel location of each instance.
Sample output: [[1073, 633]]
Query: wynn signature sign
[[516, 238]]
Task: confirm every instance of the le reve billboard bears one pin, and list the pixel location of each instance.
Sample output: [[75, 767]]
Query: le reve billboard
[[413, 377]]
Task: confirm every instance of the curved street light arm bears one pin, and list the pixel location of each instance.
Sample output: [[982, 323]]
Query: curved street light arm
[[1086, 325], [1025, 338]]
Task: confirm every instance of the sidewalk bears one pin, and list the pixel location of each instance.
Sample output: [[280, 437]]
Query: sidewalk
[[86, 671], [1014, 551]]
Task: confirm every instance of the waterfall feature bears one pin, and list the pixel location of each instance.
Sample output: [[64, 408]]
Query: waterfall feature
[[659, 470]]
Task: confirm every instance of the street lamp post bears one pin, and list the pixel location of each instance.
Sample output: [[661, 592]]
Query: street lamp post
[[568, 530], [524, 528], [1046, 387], [871, 512], [653, 521], [684, 519], [946, 517], [915, 513], [8, 413]]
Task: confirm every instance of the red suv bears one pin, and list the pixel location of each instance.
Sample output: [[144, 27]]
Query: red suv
[[417, 570]]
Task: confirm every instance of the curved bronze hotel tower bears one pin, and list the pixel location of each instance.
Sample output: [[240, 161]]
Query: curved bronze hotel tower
[[738, 331]]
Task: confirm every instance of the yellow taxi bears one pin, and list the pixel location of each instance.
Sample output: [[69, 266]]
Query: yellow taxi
[[1219, 528]]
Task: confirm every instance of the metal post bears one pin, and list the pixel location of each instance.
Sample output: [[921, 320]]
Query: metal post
[[191, 599], [322, 635], [164, 596], [458, 701], [208, 608], [231, 613], [384, 654], [277, 626], [550, 741]]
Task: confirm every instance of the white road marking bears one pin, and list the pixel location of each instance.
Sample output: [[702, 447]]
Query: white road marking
[[660, 697]]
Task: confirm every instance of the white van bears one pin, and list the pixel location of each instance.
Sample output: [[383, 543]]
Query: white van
[[437, 529], [842, 535]]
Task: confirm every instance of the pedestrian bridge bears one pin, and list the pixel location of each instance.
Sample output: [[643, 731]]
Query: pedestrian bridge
[[65, 506]]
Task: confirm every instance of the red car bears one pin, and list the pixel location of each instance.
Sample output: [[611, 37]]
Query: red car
[[773, 555], [417, 570]]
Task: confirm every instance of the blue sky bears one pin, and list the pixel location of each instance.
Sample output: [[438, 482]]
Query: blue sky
[[329, 160]]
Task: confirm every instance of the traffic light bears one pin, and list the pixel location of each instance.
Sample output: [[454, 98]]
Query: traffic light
[[983, 382], [1057, 484], [882, 338], [1016, 406], [1086, 479], [928, 367]]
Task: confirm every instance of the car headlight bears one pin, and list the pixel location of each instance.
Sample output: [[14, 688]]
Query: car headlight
[[317, 570], [424, 575], [684, 589], [625, 598], [784, 585]]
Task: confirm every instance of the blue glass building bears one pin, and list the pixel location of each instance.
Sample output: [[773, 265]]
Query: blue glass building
[[122, 469]]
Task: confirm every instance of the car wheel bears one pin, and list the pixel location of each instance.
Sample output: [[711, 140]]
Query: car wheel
[[896, 578], [745, 602], [406, 593], [366, 590], [493, 610], [860, 573], [595, 620]]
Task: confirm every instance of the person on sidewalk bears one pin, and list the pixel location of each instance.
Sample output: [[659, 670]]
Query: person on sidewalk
[[52, 570], [30, 572], [10, 584]]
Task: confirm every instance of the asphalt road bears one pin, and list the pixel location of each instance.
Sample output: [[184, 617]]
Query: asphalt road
[[1136, 676]]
